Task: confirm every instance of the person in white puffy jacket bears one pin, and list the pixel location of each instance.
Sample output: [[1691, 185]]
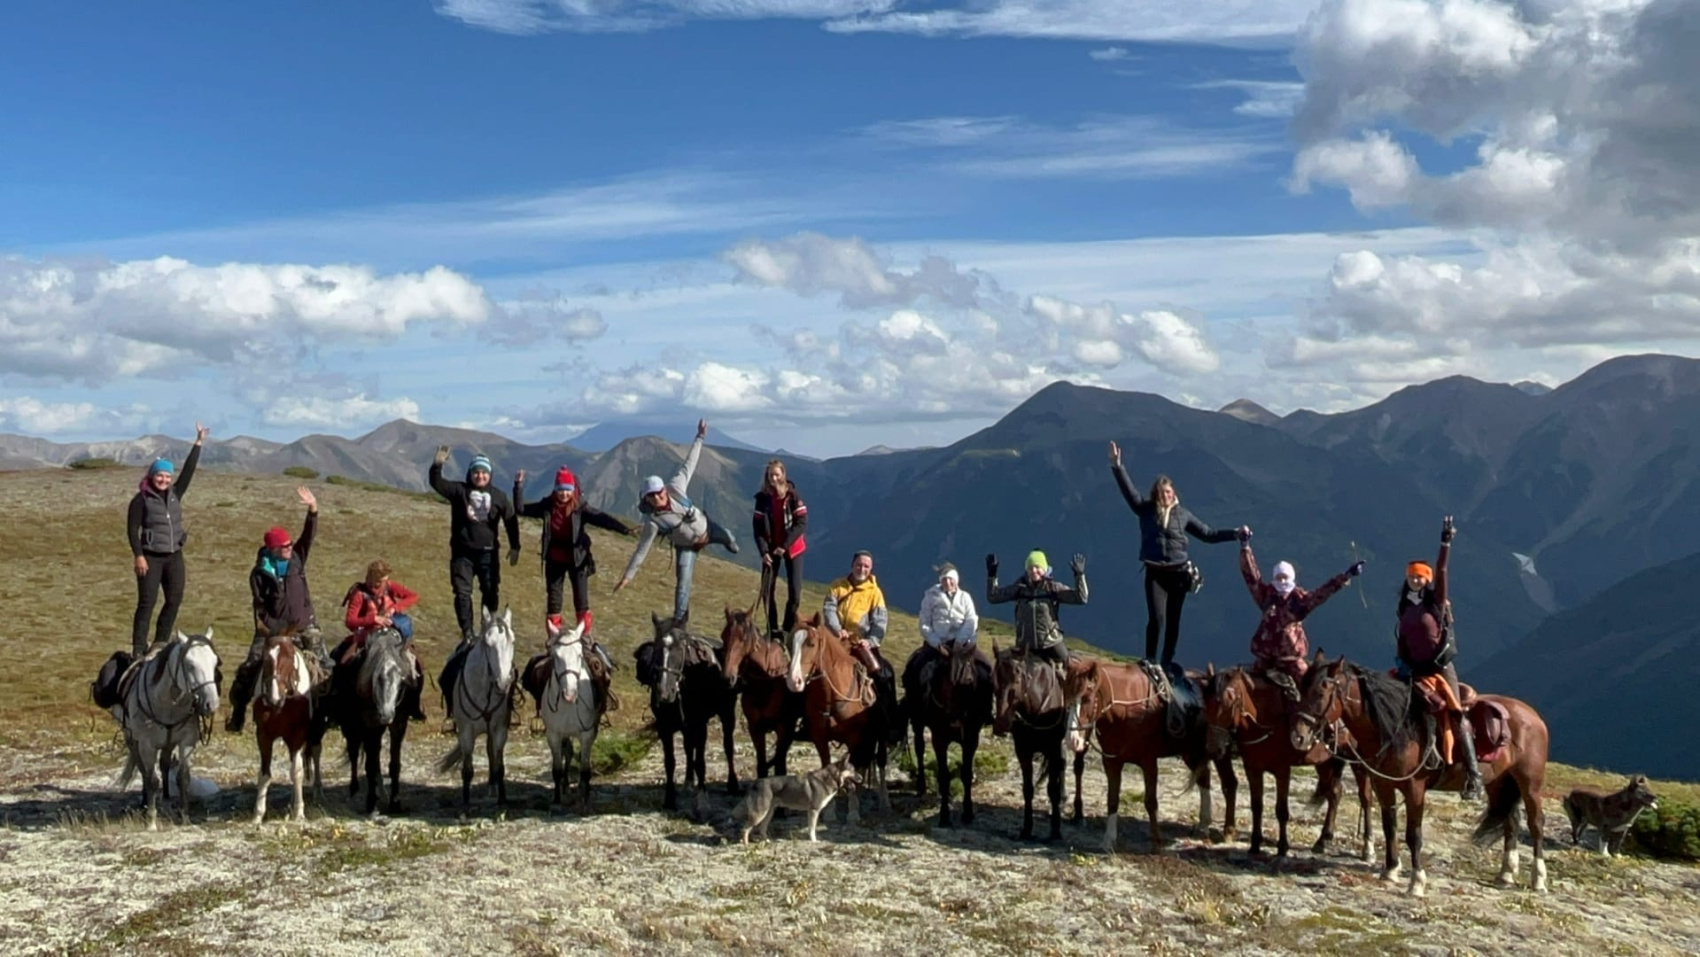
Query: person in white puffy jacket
[[947, 615]]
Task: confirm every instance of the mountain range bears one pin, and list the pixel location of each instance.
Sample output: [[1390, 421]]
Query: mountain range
[[1559, 494]]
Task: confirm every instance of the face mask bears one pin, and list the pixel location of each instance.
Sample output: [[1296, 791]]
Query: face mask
[[1285, 579], [1285, 588]]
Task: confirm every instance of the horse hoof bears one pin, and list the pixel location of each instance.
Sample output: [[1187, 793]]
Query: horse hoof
[[501, 817], [944, 821], [556, 810], [1390, 874], [463, 818], [967, 818], [259, 819], [1320, 847], [1507, 879]]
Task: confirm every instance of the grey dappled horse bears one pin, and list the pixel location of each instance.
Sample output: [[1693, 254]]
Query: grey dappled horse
[[166, 701], [483, 698]]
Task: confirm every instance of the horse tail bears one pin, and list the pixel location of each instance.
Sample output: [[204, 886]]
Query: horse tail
[[128, 774], [1503, 808], [451, 761]]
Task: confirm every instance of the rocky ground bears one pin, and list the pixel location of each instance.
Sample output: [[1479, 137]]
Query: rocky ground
[[82, 876]]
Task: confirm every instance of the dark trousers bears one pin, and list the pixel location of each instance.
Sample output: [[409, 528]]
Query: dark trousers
[[1165, 594], [464, 567], [167, 571], [555, 577], [793, 567]]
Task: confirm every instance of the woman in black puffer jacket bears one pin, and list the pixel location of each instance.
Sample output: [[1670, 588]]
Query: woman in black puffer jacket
[[1164, 524]]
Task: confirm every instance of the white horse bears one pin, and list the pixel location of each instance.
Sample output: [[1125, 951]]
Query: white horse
[[164, 705], [482, 700], [569, 711]]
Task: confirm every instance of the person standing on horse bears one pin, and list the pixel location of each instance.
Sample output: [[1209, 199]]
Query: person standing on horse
[[1038, 602], [780, 518], [283, 605], [567, 557], [157, 535], [377, 602], [855, 611], [668, 512], [1164, 524], [1427, 646], [947, 617], [1279, 646], [476, 512]]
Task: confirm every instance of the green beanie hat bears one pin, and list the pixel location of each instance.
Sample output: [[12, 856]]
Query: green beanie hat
[[1036, 559]]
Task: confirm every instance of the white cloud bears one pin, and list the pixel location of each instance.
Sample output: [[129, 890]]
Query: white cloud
[[94, 321], [1101, 336], [605, 16], [810, 264], [324, 412], [1109, 54], [530, 322], [1264, 99], [32, 416]]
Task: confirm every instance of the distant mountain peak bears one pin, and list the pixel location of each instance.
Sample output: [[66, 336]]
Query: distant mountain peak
[[1528, 387], [1248, 411]]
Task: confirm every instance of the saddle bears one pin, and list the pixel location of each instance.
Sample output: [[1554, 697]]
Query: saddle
[[1490, 724], [534, 678], [1182, 699]]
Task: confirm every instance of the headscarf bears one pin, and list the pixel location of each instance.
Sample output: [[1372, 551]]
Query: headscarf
[[1285, 569]]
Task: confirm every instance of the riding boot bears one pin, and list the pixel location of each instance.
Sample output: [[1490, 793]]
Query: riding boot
[[1472, 770], [241, 692]]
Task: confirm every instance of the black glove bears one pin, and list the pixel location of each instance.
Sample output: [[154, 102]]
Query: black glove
[[1356, 569], [1447, 530], [1078, 565], [991, 565]]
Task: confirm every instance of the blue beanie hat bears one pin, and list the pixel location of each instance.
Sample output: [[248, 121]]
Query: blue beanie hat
[[479, 462], [161, 465]]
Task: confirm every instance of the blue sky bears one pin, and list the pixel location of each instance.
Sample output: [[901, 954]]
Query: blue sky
[[875, 221]]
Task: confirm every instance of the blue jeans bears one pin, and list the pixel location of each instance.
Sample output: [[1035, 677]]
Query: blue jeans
[[684, 565]]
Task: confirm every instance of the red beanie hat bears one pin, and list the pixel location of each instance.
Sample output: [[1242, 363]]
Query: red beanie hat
[[565, 481], [277, 538]]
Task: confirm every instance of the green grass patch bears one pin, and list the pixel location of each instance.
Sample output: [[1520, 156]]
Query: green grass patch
[[94, 463], [172, 913], [355, 850], [616, 750], [301, 472]]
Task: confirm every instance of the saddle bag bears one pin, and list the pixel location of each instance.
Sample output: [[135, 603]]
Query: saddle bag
[[104, 689]]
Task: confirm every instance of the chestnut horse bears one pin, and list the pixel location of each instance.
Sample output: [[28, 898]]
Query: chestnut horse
[[283, 710], [1118, 704], [837, 707], [759, 666], [954, 706], [1244, 712], [1382, 716]]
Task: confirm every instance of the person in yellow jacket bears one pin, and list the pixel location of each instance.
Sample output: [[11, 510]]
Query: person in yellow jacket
[[855, 609]]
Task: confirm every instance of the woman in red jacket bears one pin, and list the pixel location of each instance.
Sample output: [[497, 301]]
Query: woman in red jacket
[[377, 602], [780, 519]]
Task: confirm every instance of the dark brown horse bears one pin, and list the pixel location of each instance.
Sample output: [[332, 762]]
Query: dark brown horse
[[686, 692], [1119, 706], [954, 705], [757, 666], [838, 705], [1245, 712], [1030, 706], [283, 711], [1382, 716]]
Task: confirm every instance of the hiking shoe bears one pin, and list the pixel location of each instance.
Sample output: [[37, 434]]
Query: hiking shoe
[[731, 542]]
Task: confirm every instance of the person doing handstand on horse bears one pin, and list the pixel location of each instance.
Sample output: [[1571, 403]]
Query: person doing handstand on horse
[[667, 511], [567, 557], [282, 605], [1279, 645], [1038, 601], [855, 611], [947, 618], [377, 602], [1427, 646]]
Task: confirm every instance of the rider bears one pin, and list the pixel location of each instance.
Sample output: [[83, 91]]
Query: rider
[[1164, 524], [855, 611], [566, 555], [1038, 599], [282, 605], [155, 527], [947, 617], [1279, 645], [1427, 646], [476, 511], [668, 511], [780, 518], [377, 602]]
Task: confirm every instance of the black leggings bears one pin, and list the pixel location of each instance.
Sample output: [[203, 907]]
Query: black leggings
[[555, 578], [1165, 594], [793, 566], [163, 570], [465, 567]]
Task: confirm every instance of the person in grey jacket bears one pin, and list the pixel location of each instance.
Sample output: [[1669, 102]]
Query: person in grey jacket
[[1038, 599], [668, 513], [154, 525], [947, 617]]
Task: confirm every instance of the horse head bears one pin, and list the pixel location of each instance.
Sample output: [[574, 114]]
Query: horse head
[[498, 640], [282, 673], [566, 659], [806, 644], [1321, 701], [197, 673], [383, 675], [1228, 707], [737, 637], [1083, 696], [660, 661], [1007, 682]]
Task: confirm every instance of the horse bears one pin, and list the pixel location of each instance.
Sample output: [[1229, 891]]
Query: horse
[[838, 706], [1029, 706], [569, 711], [687, 688], [483, 701], [954, 705], [1120, 706], [283, 710], [1382, 716], [1236, 708], [760, 666], [372, 706], [167, 704]]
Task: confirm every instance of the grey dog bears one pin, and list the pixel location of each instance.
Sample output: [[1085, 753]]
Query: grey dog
[[800, 792]]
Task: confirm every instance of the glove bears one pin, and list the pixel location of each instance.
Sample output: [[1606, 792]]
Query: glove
[[513, 556], [1356, 569], [991, 566], [1078, 565], [1447, 530]]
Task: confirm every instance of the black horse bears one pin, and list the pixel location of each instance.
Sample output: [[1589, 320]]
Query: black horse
[[1030, 707], [686, 691], [953, 700]]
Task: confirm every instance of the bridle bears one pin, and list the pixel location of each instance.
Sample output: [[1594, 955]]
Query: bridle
[[1239, 714], [170, 666], [494, 696], [819, 673], [560, 672]]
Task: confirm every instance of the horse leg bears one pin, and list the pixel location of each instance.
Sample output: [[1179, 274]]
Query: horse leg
[[882, 758], [1149, 767], [696, 763], [1531, 787], [1024, 751], [1414, 840], [759, 739], [467, 738], [1385, 796], [560, 754], [265, 781], [1328, 783], [729, 724], [298, 774], [398, 734], [150, 788], [1201, 777], [1112, 802], [1056, 779], [920, 745], [669, 797], [941, 759], [1283, 778], [970, 745], [1366, 826], [1254, 781], [183, 779], [496, 752], [586, 741], [374, 769], [1079, 796], [1230, 799]]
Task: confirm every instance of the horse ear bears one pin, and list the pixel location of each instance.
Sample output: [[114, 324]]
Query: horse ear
[[1210, 670], [815, 621], [209, 633], [728, 614], [654, 620], [180, 637]]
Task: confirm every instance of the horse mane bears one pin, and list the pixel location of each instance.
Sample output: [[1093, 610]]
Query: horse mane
[[384, 643], [1393, 708]]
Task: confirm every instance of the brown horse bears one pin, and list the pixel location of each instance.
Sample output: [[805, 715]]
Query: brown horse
[[1246, 712], [1030, 705], [760, 665], [1118, 704], [283, 710], [838, 705], [1382, 717], [954, 706]]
